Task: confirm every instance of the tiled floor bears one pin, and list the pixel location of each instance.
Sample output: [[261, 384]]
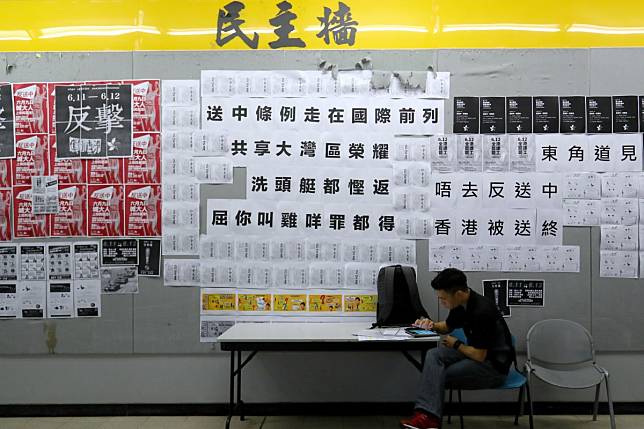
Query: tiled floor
[[308, 422]]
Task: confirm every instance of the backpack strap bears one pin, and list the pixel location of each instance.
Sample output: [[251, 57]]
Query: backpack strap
[[410, 278]]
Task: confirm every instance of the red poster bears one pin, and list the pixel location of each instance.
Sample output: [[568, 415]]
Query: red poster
[[146, 105], [143, 210], [144, 166], [26, 224], [71, 219], [30, 108], [104, 171], [105, 210], [67, 170], [31, 159], [5, 214], [5, 173], [51, 99]]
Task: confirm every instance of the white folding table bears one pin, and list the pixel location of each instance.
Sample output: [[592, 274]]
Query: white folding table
[[323, 337]]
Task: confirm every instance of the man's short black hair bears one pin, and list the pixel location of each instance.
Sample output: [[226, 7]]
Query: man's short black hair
[[450, 280]]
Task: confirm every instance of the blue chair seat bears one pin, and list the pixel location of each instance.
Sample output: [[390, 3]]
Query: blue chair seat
[[514, 380]]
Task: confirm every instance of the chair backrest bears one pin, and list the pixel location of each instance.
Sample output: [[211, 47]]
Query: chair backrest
[[559, 342]]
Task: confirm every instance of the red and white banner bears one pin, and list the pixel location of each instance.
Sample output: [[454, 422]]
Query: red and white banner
[[31, 159], [146, 105], [71, 219], [30, 108], [25, 223], [143, 210], [105, 210], [144, 166]]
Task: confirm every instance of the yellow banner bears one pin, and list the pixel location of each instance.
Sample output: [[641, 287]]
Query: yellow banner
[[86, 25], [325, 303], [254, 302], [360, 303], [287, 302], [218, 302]]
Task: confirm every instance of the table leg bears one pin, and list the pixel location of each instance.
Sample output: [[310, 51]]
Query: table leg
[[240, 403], [231, 405]]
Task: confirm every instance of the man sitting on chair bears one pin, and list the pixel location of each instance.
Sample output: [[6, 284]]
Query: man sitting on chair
[[482, 363]]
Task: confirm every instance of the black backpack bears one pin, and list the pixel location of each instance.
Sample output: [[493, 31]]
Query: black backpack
[[398, 300]]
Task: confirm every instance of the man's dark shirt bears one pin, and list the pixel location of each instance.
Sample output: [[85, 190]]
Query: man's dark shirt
[[484, 328]]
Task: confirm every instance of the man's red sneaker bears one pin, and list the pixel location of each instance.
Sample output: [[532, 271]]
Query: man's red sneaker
[[420, 420]]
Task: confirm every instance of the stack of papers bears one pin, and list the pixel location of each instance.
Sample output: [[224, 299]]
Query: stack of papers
[[382, 334]]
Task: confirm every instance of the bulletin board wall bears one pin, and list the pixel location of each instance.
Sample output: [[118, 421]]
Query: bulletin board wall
[[164, 320]]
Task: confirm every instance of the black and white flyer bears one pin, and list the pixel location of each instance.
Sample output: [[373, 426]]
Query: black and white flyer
[[625, 119], [492, 115], [545, 114], [466, 115], [60, 299], [119, 251], [149, 257], [518, 115], [572, 114], [497, 290], [599, 115], [526, 293], [9, 263], [86, 260]]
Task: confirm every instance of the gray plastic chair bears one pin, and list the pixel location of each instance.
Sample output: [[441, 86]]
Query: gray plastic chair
[[562, 353]]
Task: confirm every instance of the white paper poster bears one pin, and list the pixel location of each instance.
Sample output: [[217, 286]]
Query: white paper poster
[[60, 299], [33, 299], [495, 153], [616, 263], [9, 301], [87, 298]]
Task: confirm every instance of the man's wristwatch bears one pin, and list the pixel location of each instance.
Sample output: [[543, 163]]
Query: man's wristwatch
[[457, 344]]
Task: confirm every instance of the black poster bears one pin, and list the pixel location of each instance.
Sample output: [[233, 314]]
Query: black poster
[[625, 119], [599, 115], [519, 114], [119, 251], [93, 121], [149, 257], [572, 114], [7, 134], [497, 290], [545, 114], [466, 115], [492, 115], [527, 293]]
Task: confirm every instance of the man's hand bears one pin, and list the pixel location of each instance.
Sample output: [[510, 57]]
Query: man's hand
[[449, 341], [424, 323]]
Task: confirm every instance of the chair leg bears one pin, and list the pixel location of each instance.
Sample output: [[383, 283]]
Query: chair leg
[[449, 408], [596, 404], [519, 406], [460, 409], [530, 409], [610, 402]]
